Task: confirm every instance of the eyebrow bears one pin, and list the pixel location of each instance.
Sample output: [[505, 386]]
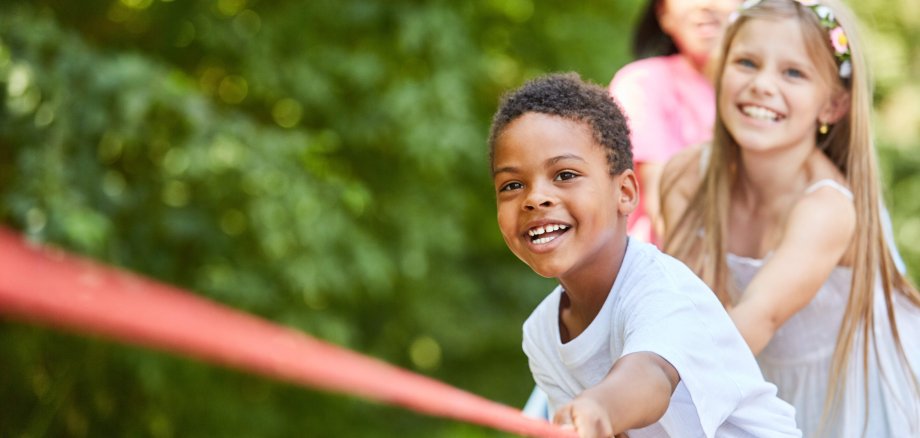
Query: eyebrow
[[796, 62], [549, 162]]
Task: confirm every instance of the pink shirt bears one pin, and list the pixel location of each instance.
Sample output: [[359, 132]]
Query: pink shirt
[[669, 106]]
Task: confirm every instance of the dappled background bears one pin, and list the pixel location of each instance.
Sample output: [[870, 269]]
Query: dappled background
[[321, 164]]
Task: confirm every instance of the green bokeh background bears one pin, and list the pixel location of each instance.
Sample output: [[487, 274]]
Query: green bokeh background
[[321, 164]]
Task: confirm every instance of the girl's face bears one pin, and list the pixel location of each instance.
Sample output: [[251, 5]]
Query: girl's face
[[559, 209], [695, 25], [771, 94]]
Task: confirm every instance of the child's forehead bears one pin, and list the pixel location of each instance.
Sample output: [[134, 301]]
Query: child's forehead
[[535, 130], [785, 33], [536, 121], [542, 118], [759, 24]]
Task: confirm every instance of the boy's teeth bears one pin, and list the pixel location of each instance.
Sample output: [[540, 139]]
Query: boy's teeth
[[758, 112], [543, 240], [545, 229]]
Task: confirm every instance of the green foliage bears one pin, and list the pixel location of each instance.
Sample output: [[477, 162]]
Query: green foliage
[[321, 164], [891, 32]]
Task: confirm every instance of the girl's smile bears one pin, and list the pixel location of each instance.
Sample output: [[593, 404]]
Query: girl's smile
[[758, 112], [771, 95]]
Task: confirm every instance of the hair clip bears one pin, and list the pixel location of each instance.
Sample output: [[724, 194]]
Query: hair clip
[[838, 37]]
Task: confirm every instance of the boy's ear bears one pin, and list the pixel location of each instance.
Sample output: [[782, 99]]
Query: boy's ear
[[628, 191], [835, 109]]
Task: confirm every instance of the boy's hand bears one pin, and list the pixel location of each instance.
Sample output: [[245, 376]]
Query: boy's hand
[[636, 393], [587, 417]]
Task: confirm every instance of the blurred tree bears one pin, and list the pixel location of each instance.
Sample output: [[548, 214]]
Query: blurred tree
[[892, 31], [321, 164]]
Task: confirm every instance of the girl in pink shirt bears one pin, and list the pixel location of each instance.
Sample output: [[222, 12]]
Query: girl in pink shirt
[[666, 95]]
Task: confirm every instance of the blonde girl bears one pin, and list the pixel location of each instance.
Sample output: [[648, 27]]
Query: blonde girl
[[781, 217]]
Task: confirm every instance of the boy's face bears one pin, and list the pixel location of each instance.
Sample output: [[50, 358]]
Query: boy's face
[[559, 209]]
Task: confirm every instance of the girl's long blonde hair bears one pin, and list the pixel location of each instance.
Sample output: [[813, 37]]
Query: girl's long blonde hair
[[849, 146]]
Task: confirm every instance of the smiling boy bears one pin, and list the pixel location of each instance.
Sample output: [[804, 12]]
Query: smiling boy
[[631, 340]]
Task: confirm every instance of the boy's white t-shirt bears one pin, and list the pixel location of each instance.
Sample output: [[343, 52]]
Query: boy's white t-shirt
[[659, 305]]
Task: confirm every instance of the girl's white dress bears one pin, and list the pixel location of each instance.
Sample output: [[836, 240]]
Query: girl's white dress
[[798, 359]]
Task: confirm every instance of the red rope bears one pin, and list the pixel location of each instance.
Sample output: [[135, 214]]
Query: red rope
[[48, 286]]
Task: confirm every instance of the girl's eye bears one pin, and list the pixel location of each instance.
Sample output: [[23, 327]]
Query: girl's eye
[[744, 62], [565, 175], [510, 186], [795, 73]]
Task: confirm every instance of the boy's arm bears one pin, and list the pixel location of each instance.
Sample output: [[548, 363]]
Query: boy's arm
[[635, 393]]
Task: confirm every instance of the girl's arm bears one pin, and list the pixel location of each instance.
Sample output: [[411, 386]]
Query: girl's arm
[[635, 393], [817, 235]]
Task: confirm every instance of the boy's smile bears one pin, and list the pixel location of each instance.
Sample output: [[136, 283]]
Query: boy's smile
[[559, 209]]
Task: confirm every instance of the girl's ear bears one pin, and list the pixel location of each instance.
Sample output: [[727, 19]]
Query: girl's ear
[[835, 109], [629, 192]]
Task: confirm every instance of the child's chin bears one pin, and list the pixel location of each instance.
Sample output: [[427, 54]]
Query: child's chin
[[544, 271]]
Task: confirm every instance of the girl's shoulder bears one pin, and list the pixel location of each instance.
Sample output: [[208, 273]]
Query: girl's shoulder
[[683, 173], [824, 214], [826, 185], [680, 179], [655, 70], [825, 201], [653, 63]]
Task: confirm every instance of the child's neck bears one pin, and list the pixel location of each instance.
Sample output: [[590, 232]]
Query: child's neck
[[703, 66], [586, 292], [767, 176]]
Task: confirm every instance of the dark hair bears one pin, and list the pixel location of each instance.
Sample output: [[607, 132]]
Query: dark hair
[[566, 95], [649, 39]]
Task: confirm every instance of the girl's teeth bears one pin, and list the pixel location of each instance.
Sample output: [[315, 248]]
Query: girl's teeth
[[759, 113]]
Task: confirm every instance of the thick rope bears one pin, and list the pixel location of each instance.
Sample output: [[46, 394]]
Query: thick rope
[[48, 286]]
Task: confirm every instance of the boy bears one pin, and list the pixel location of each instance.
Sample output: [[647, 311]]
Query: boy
[[631, 340]]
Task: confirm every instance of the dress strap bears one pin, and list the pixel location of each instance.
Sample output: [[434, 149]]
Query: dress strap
[[827, 182]]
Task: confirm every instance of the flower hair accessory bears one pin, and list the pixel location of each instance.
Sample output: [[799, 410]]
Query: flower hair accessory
[[838, 37]]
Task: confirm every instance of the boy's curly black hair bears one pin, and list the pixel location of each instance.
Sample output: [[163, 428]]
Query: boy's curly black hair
[[566, 95]]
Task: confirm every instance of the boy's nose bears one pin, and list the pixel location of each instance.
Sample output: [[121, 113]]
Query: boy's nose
[[536, 199], [546, 203]]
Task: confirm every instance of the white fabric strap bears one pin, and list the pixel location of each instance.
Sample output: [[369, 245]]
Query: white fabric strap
[[832, 184]]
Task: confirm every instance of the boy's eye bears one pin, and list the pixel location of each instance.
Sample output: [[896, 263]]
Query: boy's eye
[[565, 175], [514, 185]]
